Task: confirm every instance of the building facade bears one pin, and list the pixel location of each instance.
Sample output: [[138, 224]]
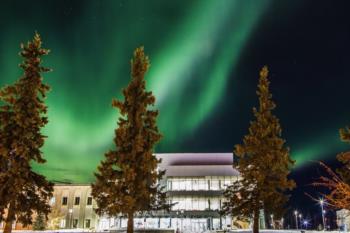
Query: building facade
[[194, 181], [343, 220]]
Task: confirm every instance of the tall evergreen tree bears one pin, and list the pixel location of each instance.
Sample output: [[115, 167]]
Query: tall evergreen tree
[[22, 116], [344, 158], [263, 163], [127, 180]]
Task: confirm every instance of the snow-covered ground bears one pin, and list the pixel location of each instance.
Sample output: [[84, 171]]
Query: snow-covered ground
[[231, 231]]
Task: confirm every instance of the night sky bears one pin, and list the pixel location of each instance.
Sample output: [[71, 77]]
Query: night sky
[[205, 58]]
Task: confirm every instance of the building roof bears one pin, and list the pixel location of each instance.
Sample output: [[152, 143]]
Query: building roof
[[197, 164]]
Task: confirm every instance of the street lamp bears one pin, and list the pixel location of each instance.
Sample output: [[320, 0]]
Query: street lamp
[[300, 220], [296, 218], [282, 223], [70, 217], [323, 212], [272, 223], [305, 223]]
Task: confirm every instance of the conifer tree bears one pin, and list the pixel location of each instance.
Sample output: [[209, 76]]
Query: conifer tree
[[40, 223], [127, 178], [22, 116], [263, 163], [344, 158]]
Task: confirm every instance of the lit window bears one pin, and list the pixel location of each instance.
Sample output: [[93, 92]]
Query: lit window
[[187, 204], [195, 204], [176, 185], [188, 184], [214, 204], [214, 185], [202, 203], [227, 183], [182, 204], [169, 185], [202, 184], [195, 185], [182, 185]]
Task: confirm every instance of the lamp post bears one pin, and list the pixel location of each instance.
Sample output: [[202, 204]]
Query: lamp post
[[296, 218], [282, 223], [305, 223], [300, 220], [70, 217], [272, 223], [323, 212]]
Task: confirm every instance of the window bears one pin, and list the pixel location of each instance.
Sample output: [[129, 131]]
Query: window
[[87, 223], [195, 185], [214, 204], [62, 223], [182, 204], [64, 200], [202, 184], [187, 203], [77, 201], [214, 185], [226, 183], [188, 184], [175, 185], [89, 201], [169, 185], [75, 223], [202, 204], [195, 203]]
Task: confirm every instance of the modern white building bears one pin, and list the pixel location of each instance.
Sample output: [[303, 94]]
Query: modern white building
[[195, 183]]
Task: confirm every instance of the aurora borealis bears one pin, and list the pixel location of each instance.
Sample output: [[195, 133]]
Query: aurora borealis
[[205, 56]]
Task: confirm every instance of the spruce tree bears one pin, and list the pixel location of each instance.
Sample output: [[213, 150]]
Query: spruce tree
[[22, 116], [263, 162], [40, 223], [127, 180], [344, 158]]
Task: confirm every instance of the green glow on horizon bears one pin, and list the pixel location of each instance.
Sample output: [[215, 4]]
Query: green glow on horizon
[[194, 48], [314, 150]]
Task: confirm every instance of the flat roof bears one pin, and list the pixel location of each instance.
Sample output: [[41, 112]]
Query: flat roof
[[197, 164], [169, 159]]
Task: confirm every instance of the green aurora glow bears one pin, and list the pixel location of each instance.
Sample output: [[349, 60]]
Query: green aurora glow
[[191, 51]]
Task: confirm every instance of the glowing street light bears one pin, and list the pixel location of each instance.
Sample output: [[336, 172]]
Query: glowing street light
[[305, 223], [282, 221], [272, 223], [323, 211], [296, 218], [300, 220], [70, 217]]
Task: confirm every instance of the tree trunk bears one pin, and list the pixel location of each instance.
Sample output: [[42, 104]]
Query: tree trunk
[[130, 228], [256, 221], [9, 219]]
